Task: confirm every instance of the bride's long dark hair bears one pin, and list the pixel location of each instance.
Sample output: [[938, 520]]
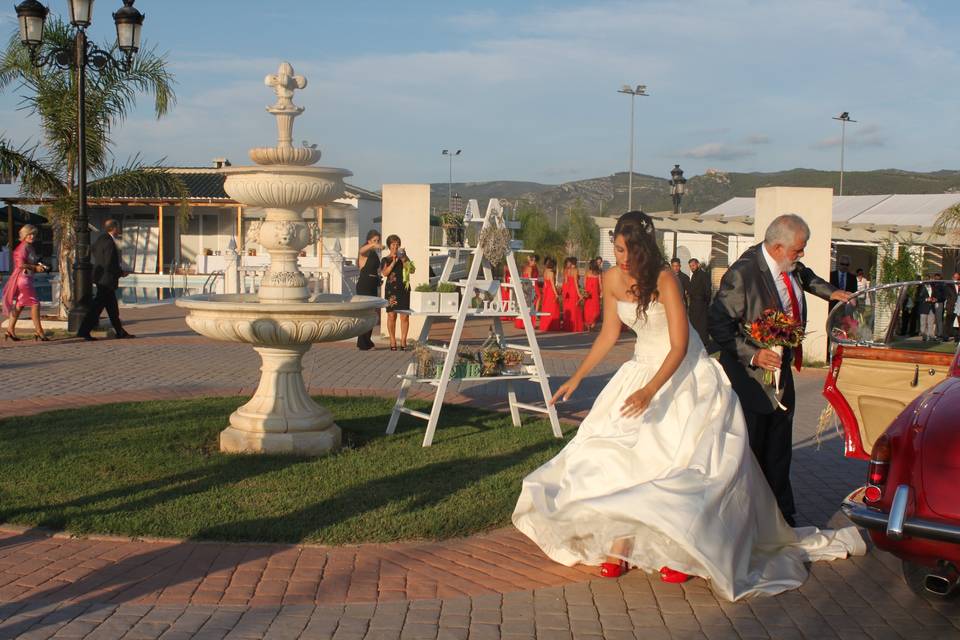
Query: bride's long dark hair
[[644, 258]]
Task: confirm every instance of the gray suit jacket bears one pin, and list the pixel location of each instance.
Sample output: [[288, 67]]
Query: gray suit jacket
[[747, 290]]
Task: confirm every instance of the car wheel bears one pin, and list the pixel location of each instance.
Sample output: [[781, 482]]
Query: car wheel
[[915, 576]]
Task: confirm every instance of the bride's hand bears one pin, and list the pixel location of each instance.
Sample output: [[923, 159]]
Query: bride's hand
[[565, 390], [637, 402]]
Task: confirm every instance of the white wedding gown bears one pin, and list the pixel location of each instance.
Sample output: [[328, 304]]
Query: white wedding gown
[[678, 483]]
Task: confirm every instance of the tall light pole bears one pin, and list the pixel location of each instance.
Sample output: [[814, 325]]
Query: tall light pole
[[641, 90], [844, 118], [677, 187], [32, 15], [450, 154]]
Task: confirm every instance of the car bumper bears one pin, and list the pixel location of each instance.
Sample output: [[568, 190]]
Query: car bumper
[[896, 524]]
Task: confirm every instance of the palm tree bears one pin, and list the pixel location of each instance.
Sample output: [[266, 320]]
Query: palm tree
[[48, 169]]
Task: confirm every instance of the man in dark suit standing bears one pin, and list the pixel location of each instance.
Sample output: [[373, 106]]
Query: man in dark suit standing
[[106, 275], [842, 278], [951, 292], [699, 295], [684, 281], [767, 276], [928, 303]]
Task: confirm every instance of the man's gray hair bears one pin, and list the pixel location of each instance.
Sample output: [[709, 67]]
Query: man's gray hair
[[784, 230]]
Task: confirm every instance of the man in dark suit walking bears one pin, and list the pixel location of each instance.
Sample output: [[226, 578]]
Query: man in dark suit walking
[[699, 295], [106, 275], [684, 281], [767, 276]]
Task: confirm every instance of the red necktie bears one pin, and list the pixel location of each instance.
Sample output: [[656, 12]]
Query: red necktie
[[795, 312]]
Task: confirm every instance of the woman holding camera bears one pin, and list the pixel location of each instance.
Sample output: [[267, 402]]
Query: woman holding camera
[[19, 291], [368, 282], [396, 269]]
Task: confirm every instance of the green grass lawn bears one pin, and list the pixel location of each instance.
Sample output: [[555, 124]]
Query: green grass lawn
[[154, 469]]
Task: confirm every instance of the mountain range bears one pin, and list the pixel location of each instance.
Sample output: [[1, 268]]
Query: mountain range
[[608, 195]]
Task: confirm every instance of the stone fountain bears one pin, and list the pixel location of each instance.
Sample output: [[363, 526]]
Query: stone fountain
[[282, 321]]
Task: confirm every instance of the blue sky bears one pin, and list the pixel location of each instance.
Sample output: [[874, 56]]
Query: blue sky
[[529, 90]]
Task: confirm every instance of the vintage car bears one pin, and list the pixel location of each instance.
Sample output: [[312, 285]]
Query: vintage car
[[897, 398]]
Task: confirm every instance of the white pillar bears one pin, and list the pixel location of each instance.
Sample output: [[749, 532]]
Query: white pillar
[[406, 213], [815, 206]]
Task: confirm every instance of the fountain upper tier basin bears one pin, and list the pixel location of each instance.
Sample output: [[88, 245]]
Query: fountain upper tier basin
[[284, 186], [242, 318]]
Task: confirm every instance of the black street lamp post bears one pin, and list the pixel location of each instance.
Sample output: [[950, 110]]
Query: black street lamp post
[[31, 16], [677, 182], [677, 187]]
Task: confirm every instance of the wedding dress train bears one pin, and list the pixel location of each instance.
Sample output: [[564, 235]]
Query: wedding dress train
[[678, 485]]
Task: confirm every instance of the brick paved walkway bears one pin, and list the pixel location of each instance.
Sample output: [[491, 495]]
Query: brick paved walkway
[[495, 585]]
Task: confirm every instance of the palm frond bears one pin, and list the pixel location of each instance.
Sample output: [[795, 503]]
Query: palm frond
[[136, 180], [948, 220], [36, 178]]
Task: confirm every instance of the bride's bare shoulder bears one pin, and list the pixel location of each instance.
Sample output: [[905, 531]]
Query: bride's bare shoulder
[[615, 283]]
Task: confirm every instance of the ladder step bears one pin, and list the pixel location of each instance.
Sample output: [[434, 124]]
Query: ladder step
[[435, 347], [519, 347], [531, 407], [413, 412]]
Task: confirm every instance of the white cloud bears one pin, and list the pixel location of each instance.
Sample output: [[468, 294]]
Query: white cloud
[[757, 138], [869, 135], [717, 151]]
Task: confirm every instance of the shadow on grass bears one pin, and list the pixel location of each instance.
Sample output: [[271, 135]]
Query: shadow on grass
[[115, 486], [416, 489]]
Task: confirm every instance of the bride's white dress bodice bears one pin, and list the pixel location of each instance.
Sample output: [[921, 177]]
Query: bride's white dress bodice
[[653, 334]]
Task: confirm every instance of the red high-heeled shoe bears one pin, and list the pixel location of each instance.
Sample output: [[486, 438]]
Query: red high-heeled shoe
[[669, 575], [612, 569]]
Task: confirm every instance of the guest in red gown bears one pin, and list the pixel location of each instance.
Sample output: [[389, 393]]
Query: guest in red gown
[[591, 306], [505, 294], [572, 298], [550, 304], [532, 271]]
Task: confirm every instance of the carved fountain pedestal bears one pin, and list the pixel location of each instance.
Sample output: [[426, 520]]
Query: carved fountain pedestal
[[281, 321]]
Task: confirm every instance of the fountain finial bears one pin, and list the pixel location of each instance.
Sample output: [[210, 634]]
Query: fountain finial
[[284, 82]]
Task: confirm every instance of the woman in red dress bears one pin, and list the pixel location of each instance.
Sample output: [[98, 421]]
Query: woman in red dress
[[572, 298], [591, 306], [532, 271], [550, 303]]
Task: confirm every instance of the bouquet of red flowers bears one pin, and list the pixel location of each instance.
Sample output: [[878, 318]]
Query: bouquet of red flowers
[[775, 330]]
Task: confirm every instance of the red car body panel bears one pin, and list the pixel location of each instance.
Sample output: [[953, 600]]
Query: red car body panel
[[940, 471], [925, 455]]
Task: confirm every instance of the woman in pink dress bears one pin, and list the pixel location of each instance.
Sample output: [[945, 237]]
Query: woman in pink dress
[[550, 304], [572, 298], [591, 306], [19, 291]]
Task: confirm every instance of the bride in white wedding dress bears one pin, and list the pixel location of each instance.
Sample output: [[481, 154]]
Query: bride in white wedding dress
[[660, 475]]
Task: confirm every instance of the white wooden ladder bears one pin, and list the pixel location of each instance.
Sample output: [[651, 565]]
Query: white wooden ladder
[[536, 373]]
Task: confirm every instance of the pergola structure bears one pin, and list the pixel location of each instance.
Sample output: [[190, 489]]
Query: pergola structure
[[861, 225], [157, 239]]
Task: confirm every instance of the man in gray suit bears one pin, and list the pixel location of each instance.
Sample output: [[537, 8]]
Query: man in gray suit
[[767, 276]]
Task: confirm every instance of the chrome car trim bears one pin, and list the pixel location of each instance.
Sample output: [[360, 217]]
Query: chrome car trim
[[871, 518], [898, 512]]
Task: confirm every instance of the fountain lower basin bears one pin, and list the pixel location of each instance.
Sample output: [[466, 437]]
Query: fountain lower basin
[[281, 417]]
